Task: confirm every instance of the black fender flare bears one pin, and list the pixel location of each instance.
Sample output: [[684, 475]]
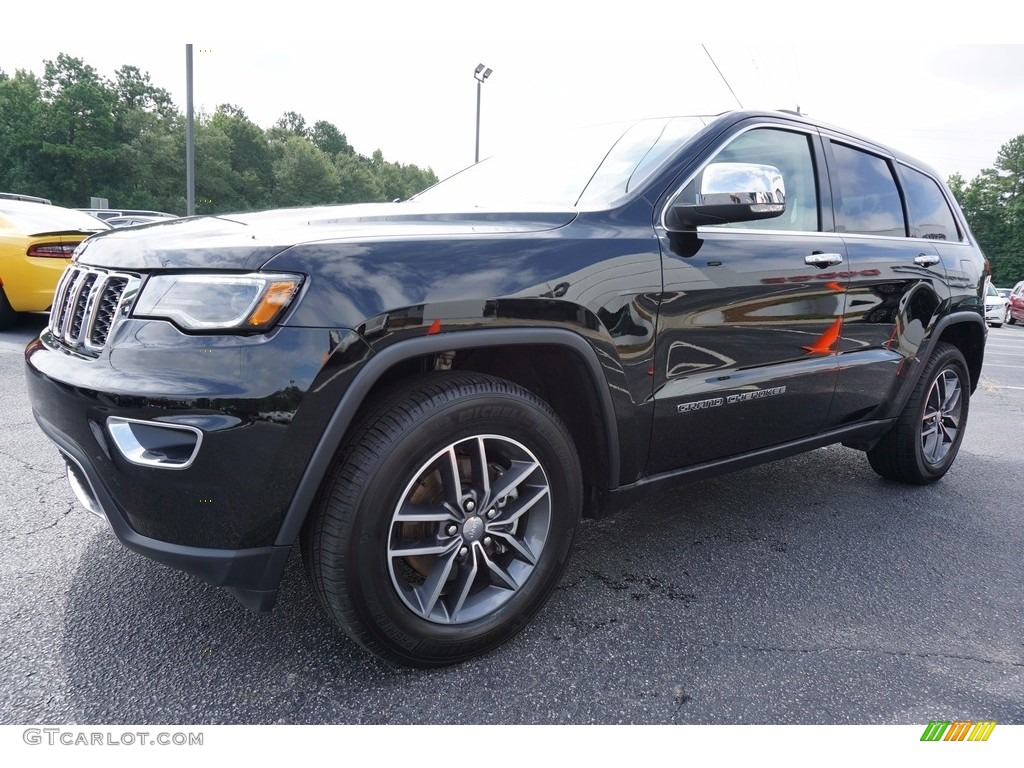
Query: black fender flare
[[381, 361], [926, 350]]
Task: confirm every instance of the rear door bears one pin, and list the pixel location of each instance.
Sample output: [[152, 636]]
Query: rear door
[[897, 274]]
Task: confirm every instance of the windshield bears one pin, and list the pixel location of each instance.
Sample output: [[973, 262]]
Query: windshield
[[588, 168]]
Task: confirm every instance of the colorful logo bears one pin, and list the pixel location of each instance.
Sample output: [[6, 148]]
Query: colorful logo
[[958, 730]]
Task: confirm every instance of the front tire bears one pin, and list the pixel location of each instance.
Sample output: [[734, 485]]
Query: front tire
[[921, 446], [447, 519]]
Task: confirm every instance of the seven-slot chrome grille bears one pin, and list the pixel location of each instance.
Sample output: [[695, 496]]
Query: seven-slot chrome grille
[[86, 304]]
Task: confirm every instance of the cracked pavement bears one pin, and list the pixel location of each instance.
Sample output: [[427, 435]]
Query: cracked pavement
[[803, 591]]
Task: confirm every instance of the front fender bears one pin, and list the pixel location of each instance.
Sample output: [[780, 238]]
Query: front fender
[[374, 368]]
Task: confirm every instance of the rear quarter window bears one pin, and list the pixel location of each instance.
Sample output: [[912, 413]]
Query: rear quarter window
[[930, 215]]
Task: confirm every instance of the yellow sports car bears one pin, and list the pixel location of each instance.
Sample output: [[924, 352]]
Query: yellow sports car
[[36, 243]]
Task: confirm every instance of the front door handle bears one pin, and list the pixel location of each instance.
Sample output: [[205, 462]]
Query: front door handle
[[926, 260], [822, 260]]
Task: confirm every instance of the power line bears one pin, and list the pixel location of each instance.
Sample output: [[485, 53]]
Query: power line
[[722, 76]]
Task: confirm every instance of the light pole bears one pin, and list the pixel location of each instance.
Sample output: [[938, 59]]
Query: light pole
[[482, 73], [190, 138]]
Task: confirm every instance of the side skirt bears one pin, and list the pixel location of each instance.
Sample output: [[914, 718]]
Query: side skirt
[[859, 436]]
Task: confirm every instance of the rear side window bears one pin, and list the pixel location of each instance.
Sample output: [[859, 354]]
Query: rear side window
[[869, 200], [930, 215]]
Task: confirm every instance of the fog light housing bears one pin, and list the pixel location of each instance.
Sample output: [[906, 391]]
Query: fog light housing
[[154, 443]]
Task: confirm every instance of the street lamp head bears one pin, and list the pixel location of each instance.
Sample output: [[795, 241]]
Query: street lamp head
[[482, 72]]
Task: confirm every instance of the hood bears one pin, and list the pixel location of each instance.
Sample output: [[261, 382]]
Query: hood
[[248, 240]]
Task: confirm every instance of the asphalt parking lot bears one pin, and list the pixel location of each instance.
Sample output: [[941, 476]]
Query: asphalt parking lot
[[803, 591]]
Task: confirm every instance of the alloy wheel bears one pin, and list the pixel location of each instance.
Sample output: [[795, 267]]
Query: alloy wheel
[[469, 529], [942, 415]]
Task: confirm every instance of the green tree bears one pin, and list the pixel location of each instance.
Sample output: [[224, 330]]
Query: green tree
[[154, 162], [250, 157], [135, 90], [329, 140], [303, 175], [994, 205], [216, 182], [146, 124], [71, 133], [20, 117], [78, 154], [292, 123], [357, 180]]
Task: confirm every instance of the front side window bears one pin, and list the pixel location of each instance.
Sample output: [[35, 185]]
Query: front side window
[[790, 153], [930, 215], [869, 200]]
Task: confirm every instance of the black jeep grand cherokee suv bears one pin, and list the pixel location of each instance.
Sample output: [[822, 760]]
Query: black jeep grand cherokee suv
[[429, 394]]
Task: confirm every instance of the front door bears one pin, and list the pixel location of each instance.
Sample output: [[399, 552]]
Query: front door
[[750, 318]]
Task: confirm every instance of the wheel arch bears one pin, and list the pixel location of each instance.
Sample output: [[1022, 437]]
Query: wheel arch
[[965, 330], [506, 352]]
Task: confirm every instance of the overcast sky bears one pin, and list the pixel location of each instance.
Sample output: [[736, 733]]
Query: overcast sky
[[399, 76]]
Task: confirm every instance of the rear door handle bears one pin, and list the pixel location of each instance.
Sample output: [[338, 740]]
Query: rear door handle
[[926, 260], [822, 260]]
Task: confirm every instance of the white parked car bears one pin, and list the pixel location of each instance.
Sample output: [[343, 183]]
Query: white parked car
[[997, 307]]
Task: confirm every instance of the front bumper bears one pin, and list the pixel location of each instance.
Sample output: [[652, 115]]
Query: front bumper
[[217, 515], [251, 575], [996, 314]]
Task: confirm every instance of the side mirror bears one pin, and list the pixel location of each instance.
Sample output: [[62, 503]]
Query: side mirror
[[731, 192]]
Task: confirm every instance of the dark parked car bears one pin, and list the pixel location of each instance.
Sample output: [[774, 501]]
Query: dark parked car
[[427, 395]]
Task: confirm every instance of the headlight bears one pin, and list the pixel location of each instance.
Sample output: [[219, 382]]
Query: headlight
[[250, 302]]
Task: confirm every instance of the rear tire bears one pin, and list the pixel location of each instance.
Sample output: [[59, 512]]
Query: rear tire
[[921, 446], [447, 519], [8, 317]]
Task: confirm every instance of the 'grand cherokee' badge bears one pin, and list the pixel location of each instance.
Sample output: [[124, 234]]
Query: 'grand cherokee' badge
[[714, 402]]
